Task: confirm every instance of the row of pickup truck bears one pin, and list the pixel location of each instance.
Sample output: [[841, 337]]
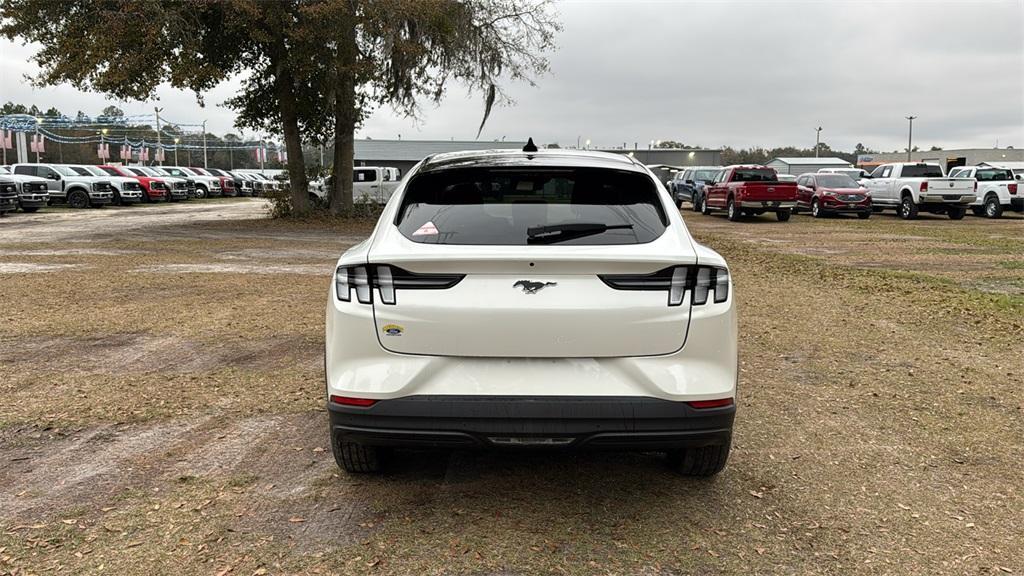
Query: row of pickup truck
[[30, 187], [908, 188]]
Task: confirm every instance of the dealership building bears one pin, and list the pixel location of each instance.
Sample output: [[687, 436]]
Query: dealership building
[[945, 158]]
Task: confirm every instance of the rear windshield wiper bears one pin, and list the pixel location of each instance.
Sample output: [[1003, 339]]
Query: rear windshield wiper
[[560, 232]]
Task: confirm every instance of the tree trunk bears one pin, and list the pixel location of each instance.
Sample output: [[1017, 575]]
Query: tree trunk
[[345, 115], [285, 86]]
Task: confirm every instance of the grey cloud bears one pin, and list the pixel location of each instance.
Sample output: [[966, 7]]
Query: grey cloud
[[737, 73]]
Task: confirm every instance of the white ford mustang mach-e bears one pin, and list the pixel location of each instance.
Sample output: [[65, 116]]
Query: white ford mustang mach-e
[[531, 299]]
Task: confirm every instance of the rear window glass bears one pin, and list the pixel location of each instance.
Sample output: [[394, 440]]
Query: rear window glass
[[994, 174], [754, 175], [836, 181], [510, 207], [921, 171]]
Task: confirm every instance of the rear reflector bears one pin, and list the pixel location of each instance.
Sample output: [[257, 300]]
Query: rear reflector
[[346, 401], [702, 404]]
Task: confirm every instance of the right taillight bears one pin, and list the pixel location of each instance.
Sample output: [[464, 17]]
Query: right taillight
[[923, 187], [1012, 188], [387, 280], [699, 281]]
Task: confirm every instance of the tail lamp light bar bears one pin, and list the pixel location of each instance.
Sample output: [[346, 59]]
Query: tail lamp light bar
[[387, 280], [699, 281]]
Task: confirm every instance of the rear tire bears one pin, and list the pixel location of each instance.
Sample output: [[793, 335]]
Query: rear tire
[[783, 215], [908, 210], [357, 458], [993, 209], [702, 461], [863, 215], [704, 209], [731, 212]]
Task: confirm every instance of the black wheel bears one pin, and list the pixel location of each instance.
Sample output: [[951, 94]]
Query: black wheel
[[783, 215], [695, 200], [117, 198], [863, 215], [32, 209], [78, 199], [993, 208], [956, 212], [704, 209], [201, 192], [816, 209], [357, 458], [908, 210], [731, 212], [702, 461]]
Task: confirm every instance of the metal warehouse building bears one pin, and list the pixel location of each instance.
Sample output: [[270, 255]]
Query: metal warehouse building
[[805, 165], [404, 154]]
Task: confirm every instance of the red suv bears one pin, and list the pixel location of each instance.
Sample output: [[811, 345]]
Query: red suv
[[825, 194]]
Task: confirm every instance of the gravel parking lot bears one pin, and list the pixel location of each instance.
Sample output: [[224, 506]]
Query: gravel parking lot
[[161, 370]]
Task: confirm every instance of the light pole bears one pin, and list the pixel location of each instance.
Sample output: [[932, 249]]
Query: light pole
[[158, 146], [176, 140], [37, 138], [103, 142], [587, 144], [910, 135], [817, 140], [204, 143]]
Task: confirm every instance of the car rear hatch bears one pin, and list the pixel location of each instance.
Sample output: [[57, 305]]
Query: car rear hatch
[[509, 264], [769, 191]]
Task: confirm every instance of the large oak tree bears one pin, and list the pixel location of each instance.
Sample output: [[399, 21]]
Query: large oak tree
[[307, 69]]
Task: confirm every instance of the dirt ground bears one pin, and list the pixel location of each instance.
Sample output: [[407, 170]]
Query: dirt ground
[[161, 377]]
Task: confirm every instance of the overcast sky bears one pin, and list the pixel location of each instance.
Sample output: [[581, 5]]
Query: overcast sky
[[715, 73]]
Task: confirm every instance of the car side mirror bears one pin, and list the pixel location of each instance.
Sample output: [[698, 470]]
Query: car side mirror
[[53, 176]]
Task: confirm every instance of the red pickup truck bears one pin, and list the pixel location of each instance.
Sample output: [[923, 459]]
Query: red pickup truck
[[749, 190]]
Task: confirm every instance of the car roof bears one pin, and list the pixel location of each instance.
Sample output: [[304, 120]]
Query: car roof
[[540, 158]]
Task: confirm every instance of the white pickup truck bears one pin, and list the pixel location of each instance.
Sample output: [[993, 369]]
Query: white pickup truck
[[998, 189], [66, 185], [910, 187], [369, 184]]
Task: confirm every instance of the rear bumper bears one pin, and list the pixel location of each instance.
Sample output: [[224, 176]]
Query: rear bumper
[[931, 198], [627, 423], [768, 204]]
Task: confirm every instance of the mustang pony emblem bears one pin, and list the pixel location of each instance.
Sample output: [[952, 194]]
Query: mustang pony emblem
[[532, 287]]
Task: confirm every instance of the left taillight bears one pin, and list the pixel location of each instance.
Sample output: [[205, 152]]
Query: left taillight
[[677, 281], [386, 280]]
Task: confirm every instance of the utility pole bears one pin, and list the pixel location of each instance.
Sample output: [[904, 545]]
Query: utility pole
[[817, 140], [159, 147], [204, 144], [910, 135], [263, 152], [37, 139], [176, 140]]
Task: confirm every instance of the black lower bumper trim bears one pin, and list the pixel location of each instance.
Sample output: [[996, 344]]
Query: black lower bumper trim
[[625, 423]]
